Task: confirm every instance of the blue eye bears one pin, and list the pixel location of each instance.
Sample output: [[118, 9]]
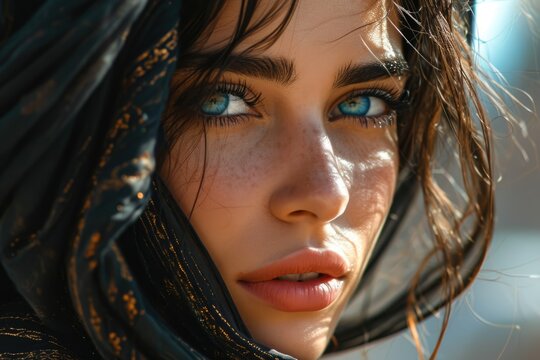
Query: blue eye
[[361, 106], [356, 106], [372, 109], [216, 104], [228, 102]]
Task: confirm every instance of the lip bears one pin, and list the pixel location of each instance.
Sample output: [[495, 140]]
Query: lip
[[295, 296]]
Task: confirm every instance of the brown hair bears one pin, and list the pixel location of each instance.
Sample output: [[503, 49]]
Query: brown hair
[[445, 102], [444, 87]]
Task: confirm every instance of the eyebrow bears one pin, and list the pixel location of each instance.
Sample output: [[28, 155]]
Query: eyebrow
[[283, 71], [277, 69], [359, 73]]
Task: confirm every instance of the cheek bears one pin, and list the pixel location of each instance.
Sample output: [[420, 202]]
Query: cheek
[[371, 167], [373, 183], [220, 180], [200, 167], [227, 193], [371, 172]]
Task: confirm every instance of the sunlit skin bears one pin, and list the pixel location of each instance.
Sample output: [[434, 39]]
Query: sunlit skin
[[291, 175]]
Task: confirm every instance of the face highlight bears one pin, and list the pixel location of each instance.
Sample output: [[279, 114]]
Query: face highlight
[[299, 166]]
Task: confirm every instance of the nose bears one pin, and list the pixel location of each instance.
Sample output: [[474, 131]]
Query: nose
[[313, 188]]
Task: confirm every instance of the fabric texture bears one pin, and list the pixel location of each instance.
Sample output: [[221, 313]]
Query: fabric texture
[[97, 259], [83, 85]]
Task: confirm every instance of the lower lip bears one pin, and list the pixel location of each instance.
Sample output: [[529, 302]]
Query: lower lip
[[296, 296]]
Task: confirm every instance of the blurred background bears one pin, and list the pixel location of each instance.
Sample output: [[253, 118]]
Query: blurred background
[[499, 316]]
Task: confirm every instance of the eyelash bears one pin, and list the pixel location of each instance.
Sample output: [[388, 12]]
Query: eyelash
[[241, 90], [394, 99]]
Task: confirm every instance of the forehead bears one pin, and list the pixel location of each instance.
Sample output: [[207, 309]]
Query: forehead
[[339, 27]]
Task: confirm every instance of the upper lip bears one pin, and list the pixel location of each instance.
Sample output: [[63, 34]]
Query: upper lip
[[323, 261]]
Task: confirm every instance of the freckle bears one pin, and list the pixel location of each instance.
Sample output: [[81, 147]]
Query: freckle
[[251, 170]]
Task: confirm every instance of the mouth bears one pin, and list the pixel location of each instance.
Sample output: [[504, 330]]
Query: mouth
[[300, 277], [307, 280]]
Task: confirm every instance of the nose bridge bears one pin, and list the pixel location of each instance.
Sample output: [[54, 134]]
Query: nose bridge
[[315, 187], [321, 165]]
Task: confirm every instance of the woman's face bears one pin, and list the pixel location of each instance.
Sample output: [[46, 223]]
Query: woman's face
[[300, 169]]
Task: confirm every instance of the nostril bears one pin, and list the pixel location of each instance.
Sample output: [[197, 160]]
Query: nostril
[[298, 213]]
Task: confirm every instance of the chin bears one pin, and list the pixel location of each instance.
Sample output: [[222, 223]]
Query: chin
[[302, 340], [300, 350]]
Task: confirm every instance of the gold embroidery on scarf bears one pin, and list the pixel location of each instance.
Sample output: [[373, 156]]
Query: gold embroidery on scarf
[[120, 124], [115, 342], [170, 288], [95, 239], [112, 291], [130, 305], [49, 354], [22, 333], [95, 319], [68, 186], [90, 252], [31, 335], [161, 52], [124, 270], [152, 221], [25, 333], [106, 155], [25, 318]]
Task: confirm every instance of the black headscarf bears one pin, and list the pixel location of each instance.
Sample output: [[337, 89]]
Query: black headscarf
[[97, 258]]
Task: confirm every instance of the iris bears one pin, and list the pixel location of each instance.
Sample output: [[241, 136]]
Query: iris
[[216, 105], [356, 106]]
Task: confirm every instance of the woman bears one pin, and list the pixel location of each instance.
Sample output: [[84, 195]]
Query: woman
[[289, 150]]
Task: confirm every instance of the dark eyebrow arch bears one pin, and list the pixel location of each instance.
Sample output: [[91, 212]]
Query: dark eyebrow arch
[[359, 73], [278, 69]]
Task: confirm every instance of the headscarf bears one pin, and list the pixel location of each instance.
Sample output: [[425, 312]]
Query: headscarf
[[97, 258]]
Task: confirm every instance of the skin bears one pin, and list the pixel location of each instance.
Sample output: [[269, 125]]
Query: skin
[[287, 178]]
